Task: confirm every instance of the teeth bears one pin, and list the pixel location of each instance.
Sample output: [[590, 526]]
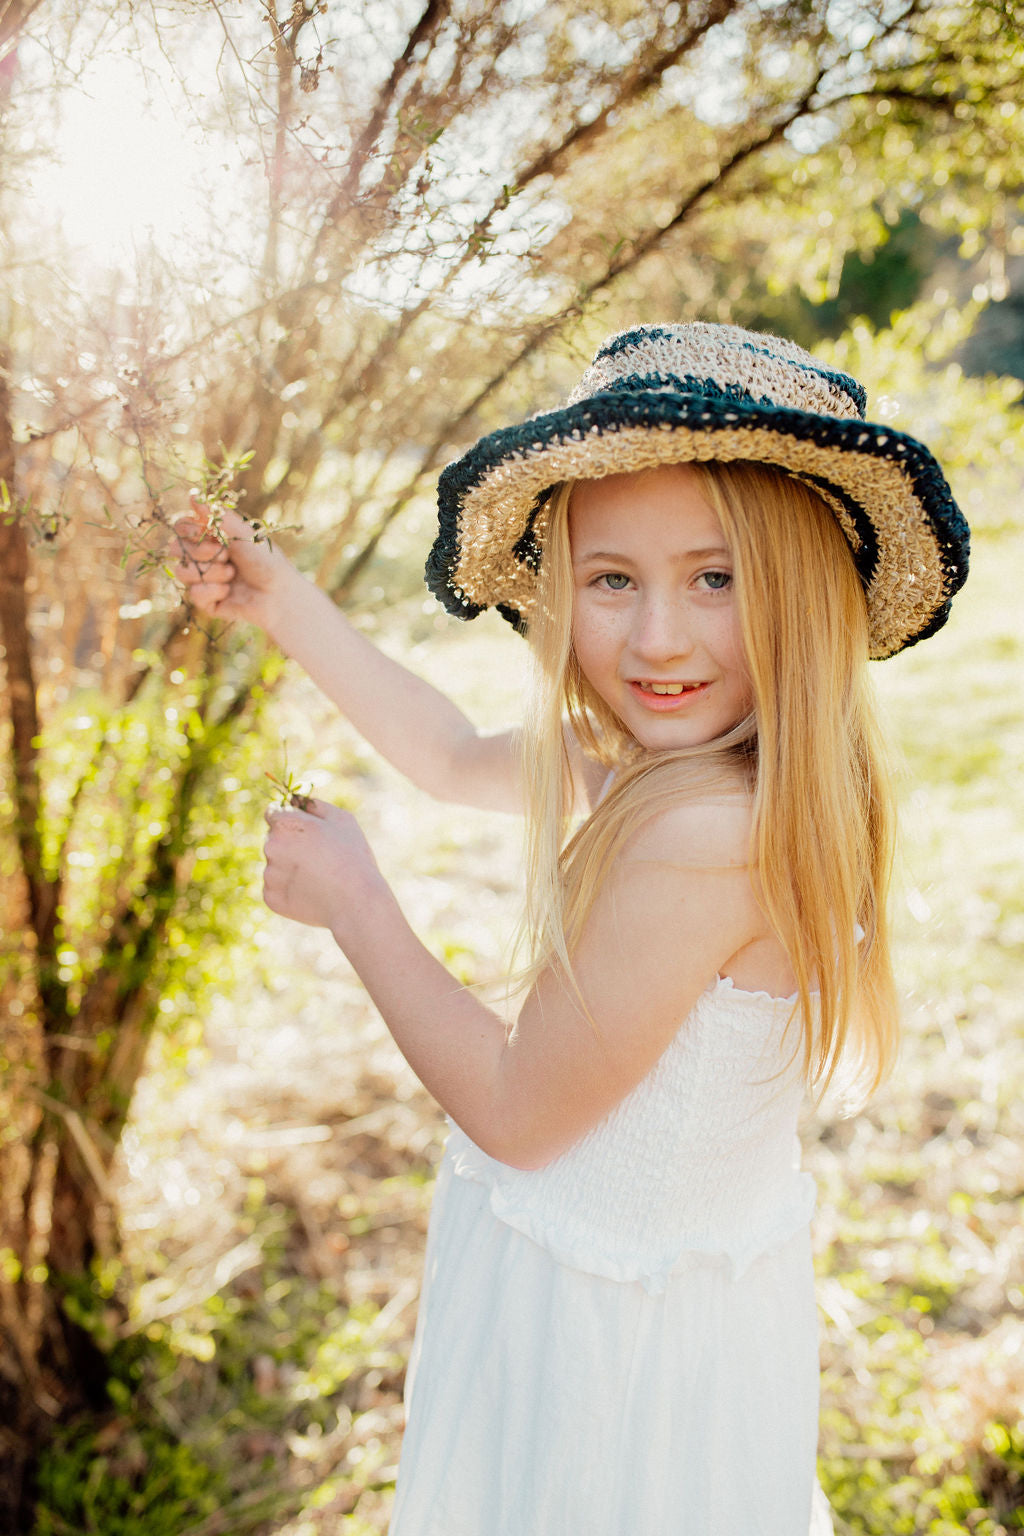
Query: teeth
[[665, 687]]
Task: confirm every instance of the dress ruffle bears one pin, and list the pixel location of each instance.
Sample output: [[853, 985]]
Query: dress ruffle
[[598, 1257]]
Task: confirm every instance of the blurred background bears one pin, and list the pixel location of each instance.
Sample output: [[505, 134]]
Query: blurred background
[[299, 259]]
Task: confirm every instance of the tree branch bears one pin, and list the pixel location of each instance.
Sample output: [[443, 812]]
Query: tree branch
[[26, 788], [634, 84], [433, 16], [936, 100], [14, 17], [550, 327]]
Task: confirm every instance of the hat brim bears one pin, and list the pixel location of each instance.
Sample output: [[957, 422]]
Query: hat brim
[[908, 538]]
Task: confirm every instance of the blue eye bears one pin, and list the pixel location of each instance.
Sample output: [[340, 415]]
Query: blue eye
[[615, 581], [716, 581]]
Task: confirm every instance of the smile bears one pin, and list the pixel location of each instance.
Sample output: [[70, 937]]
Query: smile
[[667, 695]]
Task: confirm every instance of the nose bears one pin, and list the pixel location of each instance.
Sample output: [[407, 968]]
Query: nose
[[660, 631]]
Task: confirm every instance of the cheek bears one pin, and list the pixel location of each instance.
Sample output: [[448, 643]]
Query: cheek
[[594, 637], [731, 650], [737, 650], [744, 682]]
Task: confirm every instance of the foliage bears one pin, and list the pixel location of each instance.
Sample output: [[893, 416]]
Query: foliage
[[260, 1400], [149, 1484], [915, 384]]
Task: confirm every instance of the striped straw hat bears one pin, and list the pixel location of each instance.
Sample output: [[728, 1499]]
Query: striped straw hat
[[672, 394]]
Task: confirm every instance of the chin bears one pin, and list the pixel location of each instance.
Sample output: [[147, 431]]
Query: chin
[[674, 739]]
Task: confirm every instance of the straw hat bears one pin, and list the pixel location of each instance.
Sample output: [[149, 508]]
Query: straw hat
[[670, 394]]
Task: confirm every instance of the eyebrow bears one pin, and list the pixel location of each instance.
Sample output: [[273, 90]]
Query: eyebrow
[[610, 557]]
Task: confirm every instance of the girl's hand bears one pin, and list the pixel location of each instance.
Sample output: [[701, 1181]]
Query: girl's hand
[[236, 580], [320, 869]]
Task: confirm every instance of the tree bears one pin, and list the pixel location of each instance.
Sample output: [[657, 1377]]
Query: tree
[[420, 205]]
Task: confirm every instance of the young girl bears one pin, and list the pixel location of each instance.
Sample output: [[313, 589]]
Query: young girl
[[618, 1334]]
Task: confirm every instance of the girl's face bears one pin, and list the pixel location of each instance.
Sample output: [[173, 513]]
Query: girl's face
[[655, 622]]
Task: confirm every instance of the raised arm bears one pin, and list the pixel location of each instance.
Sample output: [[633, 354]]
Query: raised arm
[[408, 721]]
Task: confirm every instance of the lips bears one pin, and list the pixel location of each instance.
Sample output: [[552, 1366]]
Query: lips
[[666, 696]]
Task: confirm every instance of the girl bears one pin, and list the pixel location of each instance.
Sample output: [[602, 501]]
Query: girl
[[618, 1333]]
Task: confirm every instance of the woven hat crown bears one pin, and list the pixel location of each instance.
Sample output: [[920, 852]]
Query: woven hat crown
[[720, 361]]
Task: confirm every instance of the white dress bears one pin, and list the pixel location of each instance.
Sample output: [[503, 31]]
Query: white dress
[[624, 1343]]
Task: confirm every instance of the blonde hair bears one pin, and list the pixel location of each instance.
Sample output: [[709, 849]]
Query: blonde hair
[[809, 756]]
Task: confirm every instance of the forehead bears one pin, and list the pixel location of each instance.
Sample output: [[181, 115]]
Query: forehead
[[665, 505]]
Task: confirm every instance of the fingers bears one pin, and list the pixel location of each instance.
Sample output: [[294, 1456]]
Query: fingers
[[318, 864], [283, 825], [200, 550], [286, 837], [229, 522], [276, 891], [203, 566], [201, 510], [321, 809], [278, 868], [229, 527], [296, 815], [208, 594], [203, 541], [300, 815], [196, 543], [192, 572]]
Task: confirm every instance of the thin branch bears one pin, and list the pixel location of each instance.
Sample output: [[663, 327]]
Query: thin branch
[[634, 85], [435, 13], [937, 100], [80, 1136], [253, 93], [642, 247], [550, 327], [581, 136], [14, 17], [284, 62]]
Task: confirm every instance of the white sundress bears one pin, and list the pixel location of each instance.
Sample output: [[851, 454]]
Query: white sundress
[[624, 1343]]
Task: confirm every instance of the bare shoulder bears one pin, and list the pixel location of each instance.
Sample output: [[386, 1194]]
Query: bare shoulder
[[705, 833], [697, 855], [686, 871]]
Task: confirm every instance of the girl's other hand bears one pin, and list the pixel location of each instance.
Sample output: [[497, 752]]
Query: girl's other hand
[[233, 580], [320, 869]]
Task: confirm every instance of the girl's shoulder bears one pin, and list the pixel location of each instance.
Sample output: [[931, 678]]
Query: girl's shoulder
[[694, 858], [709, 831]]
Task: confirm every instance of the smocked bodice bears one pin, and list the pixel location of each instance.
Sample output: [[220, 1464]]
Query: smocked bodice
[[700, 1159]]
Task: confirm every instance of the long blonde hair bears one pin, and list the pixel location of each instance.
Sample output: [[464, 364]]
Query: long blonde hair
[[809, 756]]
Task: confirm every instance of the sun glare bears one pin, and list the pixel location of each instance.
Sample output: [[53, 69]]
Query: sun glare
[[125, 171]]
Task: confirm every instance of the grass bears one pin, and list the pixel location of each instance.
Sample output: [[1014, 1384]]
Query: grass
[[920, 1258], [276, 1187]]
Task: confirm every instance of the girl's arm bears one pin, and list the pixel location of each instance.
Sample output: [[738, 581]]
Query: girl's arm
[[677, 910], [416, 728]]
